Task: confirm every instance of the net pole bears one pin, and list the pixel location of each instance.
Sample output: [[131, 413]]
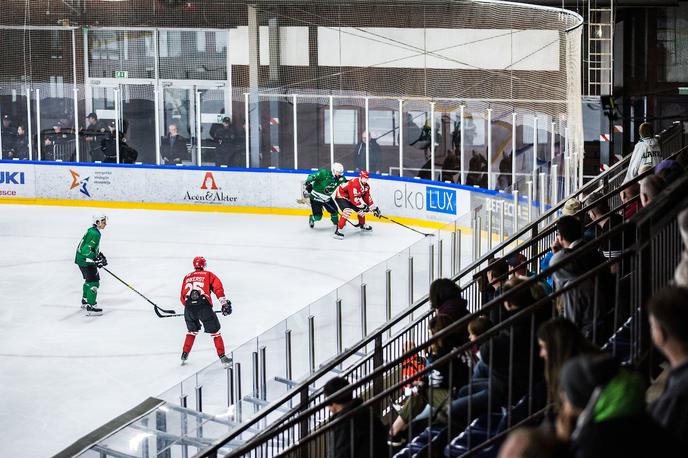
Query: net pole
[[535, 143], [1, 149], [368, 136], [513, 151], [551, 146], [76, 101], [490, 183], [401, 137], [247, 130], [331, 131], [463, 161], [117, 122], [432, 140], [28, 123], [38, 122], [296, 129], [156, 95], [198, 127]]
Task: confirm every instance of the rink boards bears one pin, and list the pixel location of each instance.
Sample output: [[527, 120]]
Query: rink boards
[[222, 189]]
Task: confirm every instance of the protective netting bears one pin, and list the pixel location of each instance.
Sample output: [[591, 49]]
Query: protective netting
[[473, 75]]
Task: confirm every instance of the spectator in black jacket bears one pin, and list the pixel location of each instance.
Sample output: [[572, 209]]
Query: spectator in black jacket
[[360, 434], [497, 275], [173, 147], [669, 327], [20, 149], [588, 303]]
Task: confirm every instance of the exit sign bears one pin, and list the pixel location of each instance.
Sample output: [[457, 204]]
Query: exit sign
[[121, 74], [683, 91]]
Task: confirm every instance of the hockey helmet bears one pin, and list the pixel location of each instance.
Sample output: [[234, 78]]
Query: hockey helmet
[[363, 176], [337, 168], [99, 217], [199, 262]]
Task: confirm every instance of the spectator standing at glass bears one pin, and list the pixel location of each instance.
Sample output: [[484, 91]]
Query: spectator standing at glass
[[374, 153], [9, 135], [173, 147], [224, 137], [20, 149], [92, 135]]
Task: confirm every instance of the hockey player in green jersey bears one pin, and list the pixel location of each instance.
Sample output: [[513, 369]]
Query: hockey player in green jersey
[[89, 259], [320, 186]]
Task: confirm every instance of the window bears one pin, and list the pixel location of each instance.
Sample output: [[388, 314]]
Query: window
[[384, 126], [345, 126]]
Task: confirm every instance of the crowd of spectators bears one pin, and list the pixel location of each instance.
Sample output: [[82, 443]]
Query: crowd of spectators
[[594, 404]]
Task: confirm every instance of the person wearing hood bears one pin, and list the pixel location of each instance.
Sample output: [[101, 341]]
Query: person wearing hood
[[646, 151], [603, 412], [359, 434]]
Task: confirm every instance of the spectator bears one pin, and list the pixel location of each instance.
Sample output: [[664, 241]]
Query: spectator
[[224, 137], [108, 143], [508, 369], [433, 389], [450, 167], [681, 272], [650, 187], [646, 151], [600, 213], [477, 327], [572, 207], [410, 367], [361, 434], [668, 170], [20, 149], [628, 194], [586, 304], [532, 443], [93, 134], [477, 170], [559, 340], [445, 299], [669, 328], [497, 274], [8, 134], [173, 147], [518, 263], [603, 412], [373, 154], [54, 144]]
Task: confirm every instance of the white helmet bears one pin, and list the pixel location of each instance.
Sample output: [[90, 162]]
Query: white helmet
[[337, 168], [99, 217]]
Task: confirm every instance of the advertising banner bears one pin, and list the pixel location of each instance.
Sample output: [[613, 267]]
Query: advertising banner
[[17, 181]]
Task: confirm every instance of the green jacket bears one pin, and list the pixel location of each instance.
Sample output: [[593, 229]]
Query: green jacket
[[324, 182], [88, 248]]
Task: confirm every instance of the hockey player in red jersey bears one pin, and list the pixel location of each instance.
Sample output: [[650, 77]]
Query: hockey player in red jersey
[[354, 197], [198, 308]]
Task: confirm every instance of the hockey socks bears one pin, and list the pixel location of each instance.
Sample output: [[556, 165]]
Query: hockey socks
[[189, 341], [219, 343], [90, 291]]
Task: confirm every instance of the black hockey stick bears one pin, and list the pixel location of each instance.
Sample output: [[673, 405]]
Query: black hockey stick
[[181, 314], [407, 227], [155, 306]]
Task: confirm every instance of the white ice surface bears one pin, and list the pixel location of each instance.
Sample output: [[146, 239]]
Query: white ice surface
[[63, 374]]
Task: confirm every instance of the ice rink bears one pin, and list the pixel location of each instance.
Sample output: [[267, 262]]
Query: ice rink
[[63, 374]]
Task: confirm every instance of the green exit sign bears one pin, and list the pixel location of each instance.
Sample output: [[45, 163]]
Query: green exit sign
[[683, 90], [121, 74]]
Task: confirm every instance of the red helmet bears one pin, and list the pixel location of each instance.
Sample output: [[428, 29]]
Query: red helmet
[[363, 174], [199, 262]]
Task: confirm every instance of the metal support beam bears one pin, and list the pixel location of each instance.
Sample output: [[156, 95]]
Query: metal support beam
[[490, 182], [339, 327], [311, 343], [432, 140], [401, 138], [364, 311], [462, 143]]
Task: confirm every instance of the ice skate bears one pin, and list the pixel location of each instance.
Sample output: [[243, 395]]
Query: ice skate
[[83, 303], [185, 356], [338, 234], [365, 227], [311, 222], [92, 310], [226, 361]]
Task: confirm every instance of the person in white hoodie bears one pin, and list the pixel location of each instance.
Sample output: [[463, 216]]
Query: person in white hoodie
[[646, 151]]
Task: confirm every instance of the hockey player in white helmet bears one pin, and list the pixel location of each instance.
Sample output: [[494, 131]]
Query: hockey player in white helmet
[[89, 259], [320, 185]]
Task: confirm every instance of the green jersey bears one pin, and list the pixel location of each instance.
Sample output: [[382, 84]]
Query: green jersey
[[88, 248], [324, 182]]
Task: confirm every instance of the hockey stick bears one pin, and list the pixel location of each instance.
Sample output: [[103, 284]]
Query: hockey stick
[[155, 306], [181, 314], [426, 234]]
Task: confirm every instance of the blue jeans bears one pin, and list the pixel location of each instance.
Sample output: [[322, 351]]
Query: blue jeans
[[483, 397]]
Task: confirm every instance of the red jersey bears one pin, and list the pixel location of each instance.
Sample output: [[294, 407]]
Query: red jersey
[[203, 281], [355, 192]]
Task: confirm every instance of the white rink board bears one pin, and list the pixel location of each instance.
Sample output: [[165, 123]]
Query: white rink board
[[260, 188]]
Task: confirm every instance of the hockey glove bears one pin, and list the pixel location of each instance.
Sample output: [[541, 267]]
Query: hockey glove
[[226, 307], [309, 187], [376, 212], [101, 260]]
